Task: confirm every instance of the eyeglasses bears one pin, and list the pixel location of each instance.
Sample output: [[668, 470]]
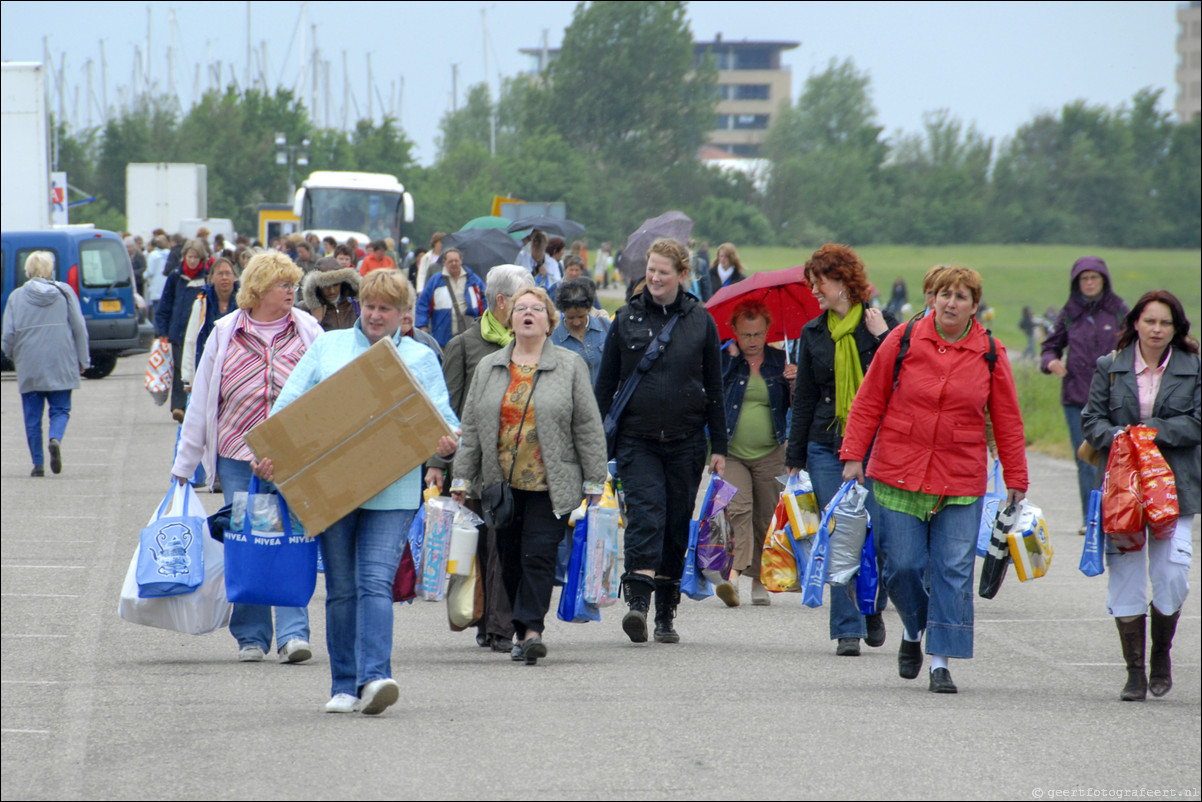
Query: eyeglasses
[[538, 310], [287, 286]]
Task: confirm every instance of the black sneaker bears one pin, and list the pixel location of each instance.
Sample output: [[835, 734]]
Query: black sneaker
[[634, 623], [848, 647], [941, 681], [875, 636], [38, 470], [56, 456]]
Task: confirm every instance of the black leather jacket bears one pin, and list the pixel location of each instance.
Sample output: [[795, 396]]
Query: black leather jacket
[[682, 392]]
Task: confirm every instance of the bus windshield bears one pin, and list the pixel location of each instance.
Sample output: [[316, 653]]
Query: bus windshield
[[370, 211]]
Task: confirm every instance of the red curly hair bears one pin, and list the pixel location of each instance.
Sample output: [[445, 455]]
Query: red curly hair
[[840, 263], [749, 309]]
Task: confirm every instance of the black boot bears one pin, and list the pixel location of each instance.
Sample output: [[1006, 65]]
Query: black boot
[[1160, 678], [1134, 638], [637, 589], [667, 597]]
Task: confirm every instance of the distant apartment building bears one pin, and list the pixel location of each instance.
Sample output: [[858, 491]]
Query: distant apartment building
[[752, 85], [1189, 61]]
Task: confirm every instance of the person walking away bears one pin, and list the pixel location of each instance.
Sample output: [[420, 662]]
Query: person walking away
[[1087, 327], [531, 420], [240, 374], [46, 338], [1152, 378], [660, 439], [757, 390], [922, 411]]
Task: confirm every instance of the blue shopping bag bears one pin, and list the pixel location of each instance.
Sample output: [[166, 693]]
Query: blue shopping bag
[[268, 561], [171, 556], [693, 584], [995, 496], [1092, 561], [868, 578], [815, 573], [572, 606]]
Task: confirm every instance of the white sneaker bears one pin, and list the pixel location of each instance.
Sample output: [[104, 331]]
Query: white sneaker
[[251, 654], [342, 703], [378, 695], [295, 651]]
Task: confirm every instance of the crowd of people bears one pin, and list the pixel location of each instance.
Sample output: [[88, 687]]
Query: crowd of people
[[543, 388]]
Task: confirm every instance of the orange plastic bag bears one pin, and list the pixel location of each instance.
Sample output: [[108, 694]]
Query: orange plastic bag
[[778, 566], [1122, 500], [1157, 483]]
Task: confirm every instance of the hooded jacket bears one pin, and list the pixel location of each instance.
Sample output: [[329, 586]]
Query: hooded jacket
[[1088, 329], [342, 315], [682, 392], [45, 336]]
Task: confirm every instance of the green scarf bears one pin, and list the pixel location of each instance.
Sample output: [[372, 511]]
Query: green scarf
[[848, 371], [493, 331]]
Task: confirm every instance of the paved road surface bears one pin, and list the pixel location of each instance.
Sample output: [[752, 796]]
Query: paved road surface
[[753, 704]]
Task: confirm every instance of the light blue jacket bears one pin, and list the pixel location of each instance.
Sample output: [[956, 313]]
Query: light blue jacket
[[331, 352], [591, 349]]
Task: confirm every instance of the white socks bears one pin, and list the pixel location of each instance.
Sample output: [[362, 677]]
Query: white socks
[[912, 638], [938, 661]]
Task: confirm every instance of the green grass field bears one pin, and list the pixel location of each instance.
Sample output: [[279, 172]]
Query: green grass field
[[1015, 276]]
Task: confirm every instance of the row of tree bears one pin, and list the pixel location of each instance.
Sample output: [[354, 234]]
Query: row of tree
[[613, 126]]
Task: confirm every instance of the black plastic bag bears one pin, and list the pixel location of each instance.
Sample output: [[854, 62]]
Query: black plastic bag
[[997, 558]]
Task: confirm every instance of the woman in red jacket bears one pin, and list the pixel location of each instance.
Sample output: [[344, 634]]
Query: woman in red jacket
[[929, 464]]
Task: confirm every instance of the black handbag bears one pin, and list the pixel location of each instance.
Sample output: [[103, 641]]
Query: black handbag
[[496, 501], [997, 558]]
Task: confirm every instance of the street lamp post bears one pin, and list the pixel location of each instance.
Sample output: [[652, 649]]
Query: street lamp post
[[291, 155]]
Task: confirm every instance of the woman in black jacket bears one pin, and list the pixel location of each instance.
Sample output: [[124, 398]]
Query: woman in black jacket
[[827, 378], [661, 434]]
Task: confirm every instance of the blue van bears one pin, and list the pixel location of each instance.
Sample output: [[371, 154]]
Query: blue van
[[96, 265]]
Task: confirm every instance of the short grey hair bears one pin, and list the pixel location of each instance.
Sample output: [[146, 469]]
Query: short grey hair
[[40, 264], [506, 280]]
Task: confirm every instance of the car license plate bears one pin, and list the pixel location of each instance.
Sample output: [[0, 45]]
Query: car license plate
[[110, 306]]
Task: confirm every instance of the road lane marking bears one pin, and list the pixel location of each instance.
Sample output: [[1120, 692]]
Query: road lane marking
[[10, 635], [30, 682], [8, 731], [15, 565], [41, 595]]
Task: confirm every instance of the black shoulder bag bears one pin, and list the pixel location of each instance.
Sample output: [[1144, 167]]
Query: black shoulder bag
[[654, 349], [496, 501]]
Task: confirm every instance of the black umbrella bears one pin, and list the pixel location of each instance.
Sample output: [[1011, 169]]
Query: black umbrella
[[483, 248], [674, 225], [568, 229]]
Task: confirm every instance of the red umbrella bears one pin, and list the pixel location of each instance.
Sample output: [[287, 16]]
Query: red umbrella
[[786, 294]]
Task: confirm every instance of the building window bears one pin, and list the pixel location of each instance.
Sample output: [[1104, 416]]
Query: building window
[[723, 122], [750, 121], [751, 92], [753, 59]]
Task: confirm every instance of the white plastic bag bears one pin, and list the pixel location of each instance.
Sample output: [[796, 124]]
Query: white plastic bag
[[198, 613], [848, 535]]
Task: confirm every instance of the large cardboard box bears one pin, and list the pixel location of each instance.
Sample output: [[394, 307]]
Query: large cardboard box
[[349, 437]]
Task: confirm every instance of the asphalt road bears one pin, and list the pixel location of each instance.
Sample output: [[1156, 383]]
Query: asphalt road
[[752, 704]]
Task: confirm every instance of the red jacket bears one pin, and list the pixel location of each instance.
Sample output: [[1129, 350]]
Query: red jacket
[[932, 429], [370, 263]]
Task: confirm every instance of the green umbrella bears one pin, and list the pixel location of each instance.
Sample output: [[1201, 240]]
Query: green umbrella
[[488, 221]]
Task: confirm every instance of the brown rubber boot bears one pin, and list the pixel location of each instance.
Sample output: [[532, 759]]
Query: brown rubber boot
[[1133, 636], [1160, 678]]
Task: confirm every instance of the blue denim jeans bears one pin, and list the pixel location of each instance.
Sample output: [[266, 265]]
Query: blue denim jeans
[[826, 473], [361, 553], [945, 547], [1087, 475], [33, 403], [250, 624]]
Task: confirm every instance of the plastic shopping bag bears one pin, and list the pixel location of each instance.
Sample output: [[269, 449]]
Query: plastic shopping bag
[[158, 371], [868, 578], [269, 560], [850, 528], [572, 606], [200, 612], [778, 565], [992, 501], [997, 559], [714, 547], [171, 557], [1122, 497], [801, 505], [440, 522], [816, 567], [693, 583], [461, 598], [1092, 562], [1158, 486], [602, 580], [1030, 545]]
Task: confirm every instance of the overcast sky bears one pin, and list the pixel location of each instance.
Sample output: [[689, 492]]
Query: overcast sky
[[994, 65]]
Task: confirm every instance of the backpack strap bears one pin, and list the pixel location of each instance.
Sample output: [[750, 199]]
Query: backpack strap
[[902, 348], [991, 357]]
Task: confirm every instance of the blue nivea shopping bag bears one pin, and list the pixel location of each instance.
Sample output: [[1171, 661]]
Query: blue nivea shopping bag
[[171, 557], [269, 561], [995, 496]]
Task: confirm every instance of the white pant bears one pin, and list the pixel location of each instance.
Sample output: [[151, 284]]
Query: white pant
[[1166, 563]]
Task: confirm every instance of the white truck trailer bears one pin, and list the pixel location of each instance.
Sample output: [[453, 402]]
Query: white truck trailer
[[25, 155], [163, 195]]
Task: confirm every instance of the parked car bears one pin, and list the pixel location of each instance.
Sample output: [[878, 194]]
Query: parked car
[[96, 265]]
